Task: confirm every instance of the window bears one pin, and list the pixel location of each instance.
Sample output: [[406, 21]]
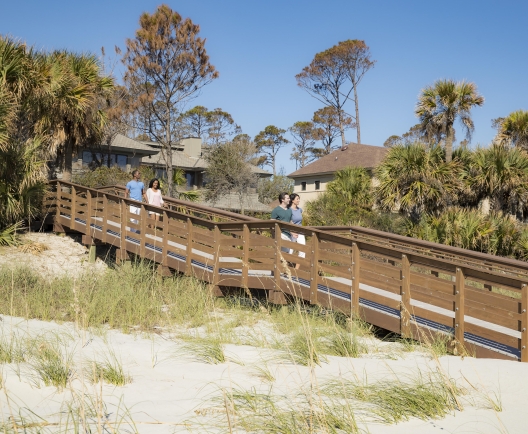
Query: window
[[317, 185], [97, 159], [303, 186]]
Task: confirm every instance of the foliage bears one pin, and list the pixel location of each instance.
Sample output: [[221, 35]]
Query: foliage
[[22, 181], [230, 171], [269, 188], [415, 179], [353, 185], [326, 129], [102, 176], [513, 129], [414, 135], [212, 126], [167, 64], [499, 173], [496, 233], [441, 104], [334, 75], [73, 116], [331, 210], [268, 142], [303, 143]]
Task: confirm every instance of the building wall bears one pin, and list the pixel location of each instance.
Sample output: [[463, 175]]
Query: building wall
[[311, 193]]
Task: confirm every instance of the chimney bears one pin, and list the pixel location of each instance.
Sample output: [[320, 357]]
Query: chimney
[[192, 146]]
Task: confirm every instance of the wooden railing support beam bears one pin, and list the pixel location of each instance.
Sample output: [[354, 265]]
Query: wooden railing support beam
[[460, 286], [354, 288], [314, 271], [188, 255], [405, 292], [524, 323]]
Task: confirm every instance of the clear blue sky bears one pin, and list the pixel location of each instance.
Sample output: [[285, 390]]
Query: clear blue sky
[[259, 46]]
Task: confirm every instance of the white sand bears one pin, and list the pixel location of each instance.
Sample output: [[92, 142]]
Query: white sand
[[64, 256], [169, 390]]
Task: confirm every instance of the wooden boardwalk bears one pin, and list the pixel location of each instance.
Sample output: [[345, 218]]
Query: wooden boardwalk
[[408, 286]]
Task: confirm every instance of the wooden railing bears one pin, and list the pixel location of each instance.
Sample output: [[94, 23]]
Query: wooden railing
[[407, 286]]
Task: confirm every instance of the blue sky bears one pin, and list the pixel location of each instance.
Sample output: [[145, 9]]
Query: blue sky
[[259, 46]]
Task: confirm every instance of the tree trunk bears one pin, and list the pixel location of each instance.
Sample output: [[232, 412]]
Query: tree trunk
[[68, 161], [342, 130], [168, 148], [356, 103], [449, 143]]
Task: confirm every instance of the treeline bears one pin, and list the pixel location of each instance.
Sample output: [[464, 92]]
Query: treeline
[[50, 102], [478, 200]]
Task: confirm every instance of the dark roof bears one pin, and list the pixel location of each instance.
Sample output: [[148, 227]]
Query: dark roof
[[366, 156]]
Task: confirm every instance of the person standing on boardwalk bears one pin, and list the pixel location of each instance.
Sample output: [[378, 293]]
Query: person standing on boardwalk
[[283, 214], [135, 190], [297, 211], [154, 197]]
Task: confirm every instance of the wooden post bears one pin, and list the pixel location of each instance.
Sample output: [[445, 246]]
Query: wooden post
[[524, 323], [88, 214], [105, 219], [216, 267], [188, 255], [405, 305], [277, 296], [354, 290], [460, 285], [314, 268], [57, 226], [73, 207], [278, 264], [245, 256], [122, 253], [143, 236], [165, 245]]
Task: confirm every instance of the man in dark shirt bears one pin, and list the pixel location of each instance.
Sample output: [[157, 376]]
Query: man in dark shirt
[[283, 214]]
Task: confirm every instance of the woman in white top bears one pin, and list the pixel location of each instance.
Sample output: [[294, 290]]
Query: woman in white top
[[154, 197]]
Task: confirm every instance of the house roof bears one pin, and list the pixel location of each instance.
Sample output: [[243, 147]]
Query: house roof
[[181, 159], [366, 156], [123, 142]]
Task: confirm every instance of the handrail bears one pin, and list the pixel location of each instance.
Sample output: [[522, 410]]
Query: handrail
[[192, 206], [399, 243]]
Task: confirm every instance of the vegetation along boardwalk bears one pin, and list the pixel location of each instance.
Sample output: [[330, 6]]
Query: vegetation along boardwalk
[[407, 286]]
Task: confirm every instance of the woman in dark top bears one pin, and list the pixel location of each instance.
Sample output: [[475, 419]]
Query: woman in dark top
[[297, 211]]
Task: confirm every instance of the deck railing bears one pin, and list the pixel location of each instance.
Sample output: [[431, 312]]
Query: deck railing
[[408, 286]]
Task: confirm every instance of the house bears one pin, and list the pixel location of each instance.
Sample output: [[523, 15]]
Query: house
[[188, 156], [129, 154], [124, 152], [311, 180]]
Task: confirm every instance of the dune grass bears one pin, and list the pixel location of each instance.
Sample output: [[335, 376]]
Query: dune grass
[[126, 298], [110, 370], [392, 401]]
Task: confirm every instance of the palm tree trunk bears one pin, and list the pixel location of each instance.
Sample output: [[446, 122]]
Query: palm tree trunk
[[356, 103], [68, 161], [449, 143]]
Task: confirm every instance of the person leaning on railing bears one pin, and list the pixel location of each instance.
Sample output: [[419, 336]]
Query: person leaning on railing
[[135, 190], [283, 214]]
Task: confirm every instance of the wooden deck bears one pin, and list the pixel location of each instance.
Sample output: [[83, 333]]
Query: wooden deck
[[408, 286]]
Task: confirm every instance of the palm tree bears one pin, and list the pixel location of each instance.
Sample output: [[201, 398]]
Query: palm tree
[[499, 173], [441, 104], [352, 185], [416, 179], [72, 114], [513, 129]]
